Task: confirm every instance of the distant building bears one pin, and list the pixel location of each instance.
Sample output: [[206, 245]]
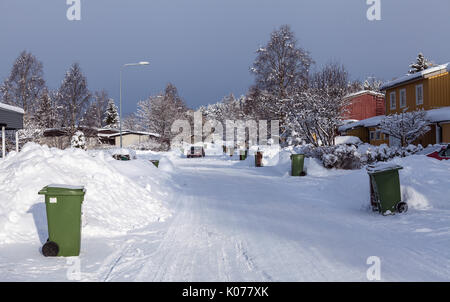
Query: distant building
[[428, 90], [59, 137], [364, 104], [11, 118], [129, 137]]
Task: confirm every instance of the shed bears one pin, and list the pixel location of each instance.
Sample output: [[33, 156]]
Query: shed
[[11, 118]]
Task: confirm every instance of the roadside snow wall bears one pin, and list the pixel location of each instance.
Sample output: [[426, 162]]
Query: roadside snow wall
[[113, 204]]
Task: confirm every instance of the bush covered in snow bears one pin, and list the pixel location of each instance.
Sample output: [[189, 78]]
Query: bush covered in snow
[[353, 157], [78, 140], [341, 157]]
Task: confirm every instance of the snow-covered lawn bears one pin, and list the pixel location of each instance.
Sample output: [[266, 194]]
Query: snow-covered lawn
[[218, 219]]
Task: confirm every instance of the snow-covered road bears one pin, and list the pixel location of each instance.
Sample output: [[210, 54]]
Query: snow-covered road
[[233, 222]]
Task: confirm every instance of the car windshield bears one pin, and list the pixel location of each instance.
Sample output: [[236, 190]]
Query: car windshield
[[447, 152]]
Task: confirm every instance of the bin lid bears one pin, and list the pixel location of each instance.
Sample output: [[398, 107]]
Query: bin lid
[[379, 168], [62, 189]]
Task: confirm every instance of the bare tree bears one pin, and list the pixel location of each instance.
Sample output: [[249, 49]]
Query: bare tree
[[406, 126], [95, 114], [47, 112], [132, 122], [315, 114], [24, 84], [158, 113], [74, 97], [281, 65]]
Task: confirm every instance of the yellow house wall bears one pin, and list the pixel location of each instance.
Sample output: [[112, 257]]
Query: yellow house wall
[[446, 133], [131, 139], [436, 93], [376, 142], [360, 132]]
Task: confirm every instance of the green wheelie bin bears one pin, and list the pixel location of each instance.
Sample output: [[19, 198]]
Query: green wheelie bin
[[155, 162], [243, 155], [385, 195], [63, 206], [297, 164]]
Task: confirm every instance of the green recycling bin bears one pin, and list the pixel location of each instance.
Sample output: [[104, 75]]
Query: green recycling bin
[[155, 162], [297, 164], [243, 155], [385, 195], [63, 205]]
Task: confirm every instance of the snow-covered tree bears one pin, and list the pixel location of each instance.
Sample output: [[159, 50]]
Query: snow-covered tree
[[95, 113], [315, 114], [78, 140], [132, 122], [73, 96], [406, 126], [47, 112], [158, 113], [24, 84], [421, 64], [281, 65], [111, 119], [373, 84]]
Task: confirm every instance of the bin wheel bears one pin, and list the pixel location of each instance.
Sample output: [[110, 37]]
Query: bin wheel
[[402, 207], [50, 249]]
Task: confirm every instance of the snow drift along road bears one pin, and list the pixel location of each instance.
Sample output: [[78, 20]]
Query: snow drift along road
[[114, 204]]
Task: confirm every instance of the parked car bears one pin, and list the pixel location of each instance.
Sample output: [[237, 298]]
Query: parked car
[[196, 151], [443, 154]]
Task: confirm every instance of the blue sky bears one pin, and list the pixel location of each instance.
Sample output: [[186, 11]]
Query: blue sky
[[205, 47]]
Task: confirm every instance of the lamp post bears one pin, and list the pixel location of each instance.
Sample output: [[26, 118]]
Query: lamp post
[[120, 103]]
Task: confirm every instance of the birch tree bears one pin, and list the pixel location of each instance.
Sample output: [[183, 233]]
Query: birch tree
[[406, 126], [74, 97]]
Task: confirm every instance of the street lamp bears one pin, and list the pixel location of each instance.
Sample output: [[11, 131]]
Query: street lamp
[[120, 104]]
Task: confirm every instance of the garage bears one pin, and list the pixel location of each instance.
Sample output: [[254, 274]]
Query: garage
[[11, 118]]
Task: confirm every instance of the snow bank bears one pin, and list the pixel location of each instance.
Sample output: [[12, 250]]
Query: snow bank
[[113, 205], [424, 182], [353, 140]]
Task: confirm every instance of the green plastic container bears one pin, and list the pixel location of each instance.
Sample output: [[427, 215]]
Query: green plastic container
[[385, 189], [297, 164], [155, 162], [243, 155], [63, 205]]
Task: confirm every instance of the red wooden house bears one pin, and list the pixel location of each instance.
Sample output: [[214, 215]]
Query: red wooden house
[[365, 104]]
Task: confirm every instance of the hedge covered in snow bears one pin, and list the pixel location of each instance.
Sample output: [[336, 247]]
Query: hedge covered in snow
[[355, 156]]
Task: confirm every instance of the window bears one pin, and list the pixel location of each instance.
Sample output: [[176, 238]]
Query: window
[[419, 94], [393, 100], [372, 135], [378, 135], [403, 98]]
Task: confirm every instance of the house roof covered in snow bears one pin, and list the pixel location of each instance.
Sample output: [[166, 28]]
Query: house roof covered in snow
[[11, 108], [370, 122], [439, 115], [416, 76], [434, 116], [11, 117], [127, 132], [363, 92]]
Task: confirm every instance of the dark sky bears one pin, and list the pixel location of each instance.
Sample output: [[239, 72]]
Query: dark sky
[[205, 47]]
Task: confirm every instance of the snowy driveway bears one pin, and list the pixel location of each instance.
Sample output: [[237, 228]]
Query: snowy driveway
[[232, 222]]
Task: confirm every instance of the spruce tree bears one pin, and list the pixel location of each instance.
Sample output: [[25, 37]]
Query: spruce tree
[[111, 116], [420, 65]]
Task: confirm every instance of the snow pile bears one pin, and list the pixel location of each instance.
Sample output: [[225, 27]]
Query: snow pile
[[347, 140], [114, 204]]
